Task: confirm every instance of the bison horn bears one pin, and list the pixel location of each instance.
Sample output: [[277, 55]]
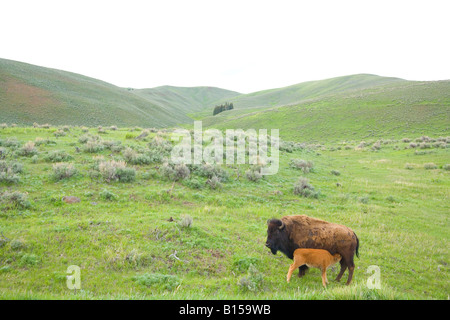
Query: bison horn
[[282, 226]]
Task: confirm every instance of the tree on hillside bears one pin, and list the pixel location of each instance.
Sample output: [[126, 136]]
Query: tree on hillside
[[223, 107]]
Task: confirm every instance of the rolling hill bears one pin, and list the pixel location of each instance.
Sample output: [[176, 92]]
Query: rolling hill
[[31, 94], [392, 110], [308, 90], [353, 107]]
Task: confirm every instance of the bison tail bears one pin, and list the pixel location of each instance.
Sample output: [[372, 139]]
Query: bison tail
[[357, 245]]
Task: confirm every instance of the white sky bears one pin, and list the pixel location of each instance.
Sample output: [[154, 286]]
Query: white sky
[[238, 45]]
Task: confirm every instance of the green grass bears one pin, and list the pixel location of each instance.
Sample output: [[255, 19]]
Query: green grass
[[398, 110], [362, 103], [128, 247], [310, 90], [31, 94]]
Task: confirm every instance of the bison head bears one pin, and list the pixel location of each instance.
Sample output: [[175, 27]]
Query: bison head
[[278, 238]]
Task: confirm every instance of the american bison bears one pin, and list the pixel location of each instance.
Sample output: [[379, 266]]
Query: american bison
[[313, 258], [300, 231]]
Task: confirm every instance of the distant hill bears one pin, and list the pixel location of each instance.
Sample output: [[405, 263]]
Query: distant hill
[[354, 107], [186, 99], [31, 94], [296, 93], [395, 109], [308, 90]]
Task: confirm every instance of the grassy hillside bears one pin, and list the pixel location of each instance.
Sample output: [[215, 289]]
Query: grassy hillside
[[306, 90], [394, 110], [148, 237], [31, 94], [186, 100]]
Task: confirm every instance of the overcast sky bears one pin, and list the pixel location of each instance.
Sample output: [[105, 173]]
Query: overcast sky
[[238, 45]]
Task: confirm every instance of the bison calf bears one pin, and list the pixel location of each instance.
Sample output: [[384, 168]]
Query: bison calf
[[314, 258], [292, 232]]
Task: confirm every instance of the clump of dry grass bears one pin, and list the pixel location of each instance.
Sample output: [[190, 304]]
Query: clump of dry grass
[[63, 171]]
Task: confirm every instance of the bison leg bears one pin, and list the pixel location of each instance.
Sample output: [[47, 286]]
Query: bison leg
[[343, 268], [302, 270], [351, 267], [297, 262], [324, 277]]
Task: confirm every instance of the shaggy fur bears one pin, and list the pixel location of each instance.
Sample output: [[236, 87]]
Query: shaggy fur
[[300, 231], [313, 258]]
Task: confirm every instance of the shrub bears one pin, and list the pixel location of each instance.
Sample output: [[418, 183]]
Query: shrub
[[254, 174], [63, 171], [130, 136], [253, 281], [59, 133], [92, 146], [58, 156], [3, 153], [17, 245], [376, 146], [29, 260], [209, 171], [133, 157], [405, 140], [101, 130], [214, 183], [304, 165], [409, 166], [116, 170], [175, 172], [9, 171], [186, 221], [446, 166], [15, 167], [113, 145], [10, 142], [160, 143], [15, 199], [126, 174], [335, 172], [84, 138], [362, 144], [194, 183], [413, 145], [303, 188], [143, 134], [391, 199], [166, 282], [108, 195], [108, 169], [28, 149], [9, 177], [364, 199], [4, 125], [429, 166]]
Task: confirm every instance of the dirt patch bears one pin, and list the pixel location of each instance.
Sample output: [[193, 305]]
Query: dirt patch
[[27, 97]]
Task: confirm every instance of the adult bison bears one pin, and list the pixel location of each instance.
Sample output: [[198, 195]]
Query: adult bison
[[292, 232]]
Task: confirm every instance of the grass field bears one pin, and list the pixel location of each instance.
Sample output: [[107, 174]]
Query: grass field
[[392, 111], [147, 236], [30, 94]]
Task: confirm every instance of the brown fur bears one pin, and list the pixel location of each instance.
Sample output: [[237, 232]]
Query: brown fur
[[313, 258], [306, 232]]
